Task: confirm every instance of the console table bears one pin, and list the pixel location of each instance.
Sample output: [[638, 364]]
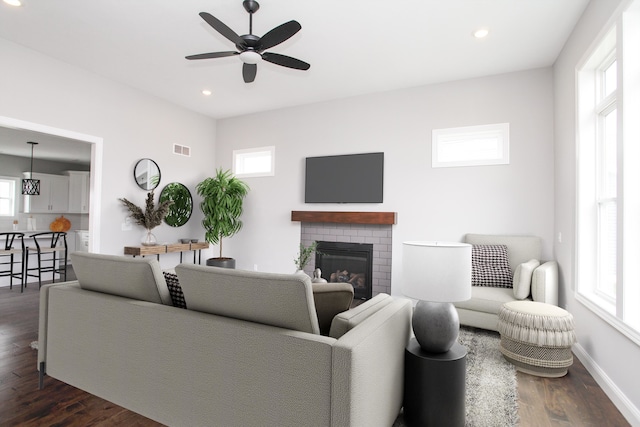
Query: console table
[[157, 250]]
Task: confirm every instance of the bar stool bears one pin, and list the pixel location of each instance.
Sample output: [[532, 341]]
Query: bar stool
[[8, 249], [52, 243]]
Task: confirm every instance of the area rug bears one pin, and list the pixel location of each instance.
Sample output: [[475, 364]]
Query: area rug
[[492, 389]]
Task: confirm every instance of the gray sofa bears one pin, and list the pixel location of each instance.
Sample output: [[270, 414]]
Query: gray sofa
[[246, 352], [481, 311]]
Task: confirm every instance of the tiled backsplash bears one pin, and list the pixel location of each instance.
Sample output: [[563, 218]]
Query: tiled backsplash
[[378, 235]]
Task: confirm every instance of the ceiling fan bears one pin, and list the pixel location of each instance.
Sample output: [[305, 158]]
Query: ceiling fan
[[251, 48]]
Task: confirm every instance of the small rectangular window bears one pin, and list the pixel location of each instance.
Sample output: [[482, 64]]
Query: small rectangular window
[[8, 197], [254, 162], [470, 146]]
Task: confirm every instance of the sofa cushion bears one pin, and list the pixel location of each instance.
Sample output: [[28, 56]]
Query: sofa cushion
[[175, 290], [487, 299], [344, 322], [522, 278], [490, 266], [282, 300], [135, 278], [331, 299]]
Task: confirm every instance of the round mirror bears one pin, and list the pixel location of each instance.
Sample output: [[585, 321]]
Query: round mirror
[[147, 174], [180, 210]]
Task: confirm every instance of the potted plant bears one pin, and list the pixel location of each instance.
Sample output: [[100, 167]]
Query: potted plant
[[222, 198], [304, 256], [149, 218]]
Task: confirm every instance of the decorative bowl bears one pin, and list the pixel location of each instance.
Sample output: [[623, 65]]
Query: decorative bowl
[[185, 240]]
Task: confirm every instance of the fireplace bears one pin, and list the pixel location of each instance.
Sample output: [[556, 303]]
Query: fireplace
[[347, 262], [374, 228]]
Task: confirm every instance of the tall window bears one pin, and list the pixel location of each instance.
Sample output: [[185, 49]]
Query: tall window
[[8, 205], [607, 177], [608, 180]]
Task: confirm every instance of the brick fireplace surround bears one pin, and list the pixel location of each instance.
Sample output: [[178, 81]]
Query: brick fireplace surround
[[354, 227]]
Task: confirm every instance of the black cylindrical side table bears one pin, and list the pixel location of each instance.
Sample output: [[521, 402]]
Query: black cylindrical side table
[[434, 386]]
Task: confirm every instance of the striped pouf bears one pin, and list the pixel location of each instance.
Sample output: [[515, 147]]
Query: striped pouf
[[536, 337]]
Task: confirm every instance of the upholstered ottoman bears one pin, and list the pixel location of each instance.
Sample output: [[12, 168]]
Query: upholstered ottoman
[[536, 337]]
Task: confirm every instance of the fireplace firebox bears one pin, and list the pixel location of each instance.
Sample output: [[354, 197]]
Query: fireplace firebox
[[347, 262]]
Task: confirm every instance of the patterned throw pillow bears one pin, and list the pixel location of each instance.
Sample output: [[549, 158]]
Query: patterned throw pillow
[[490, 266], [175, 290]]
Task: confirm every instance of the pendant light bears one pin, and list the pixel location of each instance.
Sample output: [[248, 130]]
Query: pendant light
[[30, 186]]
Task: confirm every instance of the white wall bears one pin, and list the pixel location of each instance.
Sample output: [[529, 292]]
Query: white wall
[[441, 204], [610, 356], [133, 125]]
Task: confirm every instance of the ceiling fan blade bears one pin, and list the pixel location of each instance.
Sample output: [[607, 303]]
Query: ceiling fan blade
[[249, 72], [279, 34], [212, 55], [285, 61], [220, 27]]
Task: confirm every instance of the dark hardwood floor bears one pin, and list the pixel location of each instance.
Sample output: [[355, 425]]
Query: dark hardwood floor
[[574, 400]]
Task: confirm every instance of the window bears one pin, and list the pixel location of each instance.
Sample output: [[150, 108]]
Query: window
[[8, 197], [254, 162], [608, 206], [470, 146]]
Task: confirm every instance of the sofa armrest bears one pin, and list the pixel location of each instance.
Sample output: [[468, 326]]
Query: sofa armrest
[[44, 317], [330, 299], [544, 283], [368, 368], [347, 320]]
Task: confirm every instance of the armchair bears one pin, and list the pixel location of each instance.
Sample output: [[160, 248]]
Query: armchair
[[481, 311]]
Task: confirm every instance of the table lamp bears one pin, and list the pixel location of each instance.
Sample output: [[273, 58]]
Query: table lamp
[[436, 274]]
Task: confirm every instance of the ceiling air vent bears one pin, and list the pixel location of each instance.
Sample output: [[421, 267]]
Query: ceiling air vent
[[181, 150]]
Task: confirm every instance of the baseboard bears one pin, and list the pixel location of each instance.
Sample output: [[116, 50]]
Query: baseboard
[[624, 405]]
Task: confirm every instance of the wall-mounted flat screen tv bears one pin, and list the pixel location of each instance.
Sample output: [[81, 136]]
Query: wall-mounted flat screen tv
[[352, 178]]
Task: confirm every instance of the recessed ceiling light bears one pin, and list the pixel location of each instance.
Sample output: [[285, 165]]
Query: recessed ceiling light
[[13, 2], [206, 92], [481, 33]]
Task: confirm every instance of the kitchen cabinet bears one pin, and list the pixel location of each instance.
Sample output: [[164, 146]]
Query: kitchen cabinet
[[71, 244], [82, 241], [54, 194], [78, 191]]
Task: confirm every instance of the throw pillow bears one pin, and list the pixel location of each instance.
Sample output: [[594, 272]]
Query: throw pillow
[[490, 266], [175, 290], [522, 278]]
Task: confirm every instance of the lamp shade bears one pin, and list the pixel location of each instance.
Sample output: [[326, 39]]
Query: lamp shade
[[436, 271]]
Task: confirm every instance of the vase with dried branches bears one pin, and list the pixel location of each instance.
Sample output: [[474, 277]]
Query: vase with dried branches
[[150, 218]]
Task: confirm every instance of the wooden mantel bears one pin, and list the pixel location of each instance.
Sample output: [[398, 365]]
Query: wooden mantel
[[379, 218]]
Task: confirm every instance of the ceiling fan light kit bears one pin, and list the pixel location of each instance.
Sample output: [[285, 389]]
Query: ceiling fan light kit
[[251, 48], [250, 57]]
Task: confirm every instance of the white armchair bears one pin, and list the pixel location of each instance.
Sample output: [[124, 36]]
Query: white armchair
[[481, 311]]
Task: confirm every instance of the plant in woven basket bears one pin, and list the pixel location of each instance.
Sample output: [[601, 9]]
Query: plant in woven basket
[[150, 218]]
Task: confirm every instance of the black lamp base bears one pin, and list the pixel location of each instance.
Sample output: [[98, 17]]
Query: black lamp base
[[436, 326]]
